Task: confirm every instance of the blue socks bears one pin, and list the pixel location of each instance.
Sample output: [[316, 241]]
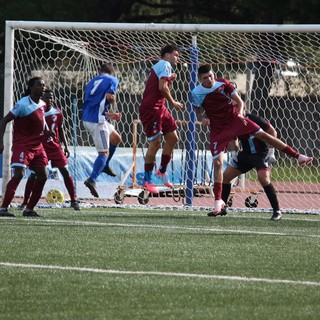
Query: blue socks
[[98, 166], [112, 149]]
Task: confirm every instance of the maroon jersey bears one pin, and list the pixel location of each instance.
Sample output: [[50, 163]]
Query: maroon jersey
[[52, 145], [225, 122], [154, 115], [28, 133], [28, 124], [152, 97], [54, 121], [217, 102]]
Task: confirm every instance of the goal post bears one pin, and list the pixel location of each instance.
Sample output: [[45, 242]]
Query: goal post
[[191, 146], [275, 68]]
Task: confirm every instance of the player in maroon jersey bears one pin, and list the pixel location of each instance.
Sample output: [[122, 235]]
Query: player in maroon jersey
[[27, 149], [156, 118], [224, 110], [55, 154]]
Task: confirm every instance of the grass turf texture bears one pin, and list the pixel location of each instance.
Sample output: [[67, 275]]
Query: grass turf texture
[[290, 173], [177, 250]]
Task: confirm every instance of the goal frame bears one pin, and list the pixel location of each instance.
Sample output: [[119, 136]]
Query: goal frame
[[11, 26]]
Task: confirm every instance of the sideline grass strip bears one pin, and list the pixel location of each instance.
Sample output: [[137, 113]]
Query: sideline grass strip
[[131, 264]]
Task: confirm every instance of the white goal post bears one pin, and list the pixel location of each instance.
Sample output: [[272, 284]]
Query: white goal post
[[275, 68]]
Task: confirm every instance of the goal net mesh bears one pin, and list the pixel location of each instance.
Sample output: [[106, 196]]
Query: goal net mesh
[[276, 74]]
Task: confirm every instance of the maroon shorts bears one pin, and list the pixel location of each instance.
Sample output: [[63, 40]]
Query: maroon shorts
[[28, 157], [220, 137], [156, 121], [57, 158]]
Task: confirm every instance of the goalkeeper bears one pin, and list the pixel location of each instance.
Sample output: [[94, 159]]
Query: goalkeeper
[[254, 154]]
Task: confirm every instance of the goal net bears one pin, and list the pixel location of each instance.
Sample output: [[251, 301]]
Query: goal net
[[275, 69]]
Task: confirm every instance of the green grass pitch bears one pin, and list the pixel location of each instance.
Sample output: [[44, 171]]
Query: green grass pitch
[[119, 263]]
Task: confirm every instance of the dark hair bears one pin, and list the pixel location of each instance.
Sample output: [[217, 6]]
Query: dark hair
[[30, 84], [48, 91], [106, 68], [169, 48], [205, 68]]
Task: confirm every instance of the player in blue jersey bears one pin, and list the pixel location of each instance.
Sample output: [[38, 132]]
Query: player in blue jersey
[[27, 149], [156, 118], [100, 93], [224, 111]]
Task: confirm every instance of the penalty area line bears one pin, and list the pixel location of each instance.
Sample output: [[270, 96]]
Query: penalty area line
[[158, 273]]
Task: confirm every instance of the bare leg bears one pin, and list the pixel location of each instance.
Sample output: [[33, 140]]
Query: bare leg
[[153, 148], [149, 161], [171, 140], [217, 187]]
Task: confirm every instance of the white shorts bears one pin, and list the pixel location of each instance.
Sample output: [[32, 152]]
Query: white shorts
[[100, 133]]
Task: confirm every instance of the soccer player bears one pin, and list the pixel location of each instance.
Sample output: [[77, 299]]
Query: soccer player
[[100, 93], [254, 154], [224, 110], [52, 146], [156, 118], [27, 149]]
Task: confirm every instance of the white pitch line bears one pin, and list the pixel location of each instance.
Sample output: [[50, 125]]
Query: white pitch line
[[129, 225], [158, 273]]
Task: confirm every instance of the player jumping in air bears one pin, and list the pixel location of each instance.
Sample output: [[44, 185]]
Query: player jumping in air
[[156, 119], [100, 93]]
